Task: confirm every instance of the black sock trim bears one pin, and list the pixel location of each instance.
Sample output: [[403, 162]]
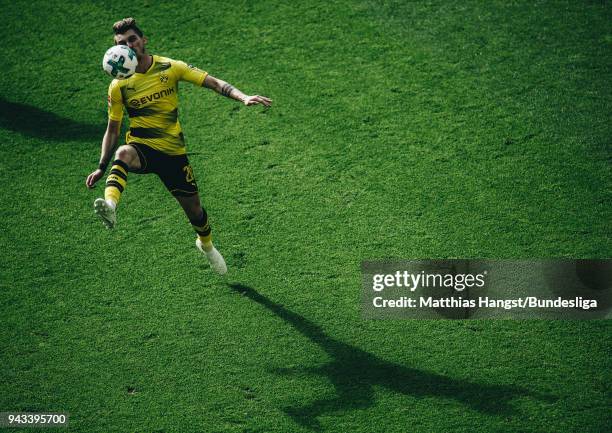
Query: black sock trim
[[115, 184], [121, 164], [201, 222], [118, 173]]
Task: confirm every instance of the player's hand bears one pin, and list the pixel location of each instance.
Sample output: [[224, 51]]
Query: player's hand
[[256, 99], [93, 178]]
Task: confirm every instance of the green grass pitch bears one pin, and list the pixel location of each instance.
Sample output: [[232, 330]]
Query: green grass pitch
[[426, 129]]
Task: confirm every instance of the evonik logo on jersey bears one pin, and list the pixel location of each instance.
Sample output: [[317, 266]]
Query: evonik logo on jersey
[[150, 98]]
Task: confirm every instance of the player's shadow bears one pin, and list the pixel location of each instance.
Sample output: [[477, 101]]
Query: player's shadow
[[34, 122], [354, 373]]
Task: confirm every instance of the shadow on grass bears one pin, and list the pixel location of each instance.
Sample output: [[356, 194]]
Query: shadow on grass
[[34, 122], [354, 372]]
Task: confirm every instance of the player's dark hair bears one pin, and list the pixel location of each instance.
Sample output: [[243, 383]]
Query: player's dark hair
[[122, 26]]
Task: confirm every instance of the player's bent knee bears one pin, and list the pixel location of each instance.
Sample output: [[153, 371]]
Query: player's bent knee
[[126, 154]]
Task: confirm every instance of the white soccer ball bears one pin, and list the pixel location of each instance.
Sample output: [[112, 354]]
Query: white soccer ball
[[120, 62]]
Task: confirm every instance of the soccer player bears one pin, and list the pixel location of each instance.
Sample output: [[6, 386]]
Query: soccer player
[[154, 142]]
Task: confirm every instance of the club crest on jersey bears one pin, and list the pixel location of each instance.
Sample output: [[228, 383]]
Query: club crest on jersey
[[163, 78]]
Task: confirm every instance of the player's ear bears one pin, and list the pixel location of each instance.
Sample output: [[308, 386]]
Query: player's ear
[[145, 41]]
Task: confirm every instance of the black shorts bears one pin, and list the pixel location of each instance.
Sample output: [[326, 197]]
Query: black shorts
[[173, 170]]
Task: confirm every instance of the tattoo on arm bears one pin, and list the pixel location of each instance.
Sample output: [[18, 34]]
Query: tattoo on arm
[[226, 89]]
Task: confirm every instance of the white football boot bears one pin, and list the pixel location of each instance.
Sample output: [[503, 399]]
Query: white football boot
[[214, 257], [106, 211]]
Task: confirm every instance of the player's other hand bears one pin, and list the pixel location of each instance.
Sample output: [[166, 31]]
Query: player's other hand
[[93, 178], [256, 99]]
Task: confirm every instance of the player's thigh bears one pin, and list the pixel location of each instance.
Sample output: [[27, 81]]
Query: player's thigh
[[177, 175]]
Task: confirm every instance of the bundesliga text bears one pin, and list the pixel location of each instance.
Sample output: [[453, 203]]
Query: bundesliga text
[[484, 302], [487, 289]]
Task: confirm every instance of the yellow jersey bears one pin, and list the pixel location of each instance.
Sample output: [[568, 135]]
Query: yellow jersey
[[151, 102]]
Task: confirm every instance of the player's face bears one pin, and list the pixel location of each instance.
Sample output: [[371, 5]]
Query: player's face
[[132, 40]]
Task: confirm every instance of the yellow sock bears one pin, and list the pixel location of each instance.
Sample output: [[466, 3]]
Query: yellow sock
[[207, 244], [116, 181]]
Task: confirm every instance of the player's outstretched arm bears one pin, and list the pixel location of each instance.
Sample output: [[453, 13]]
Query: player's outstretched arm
[[108, 145], [226, 89]]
